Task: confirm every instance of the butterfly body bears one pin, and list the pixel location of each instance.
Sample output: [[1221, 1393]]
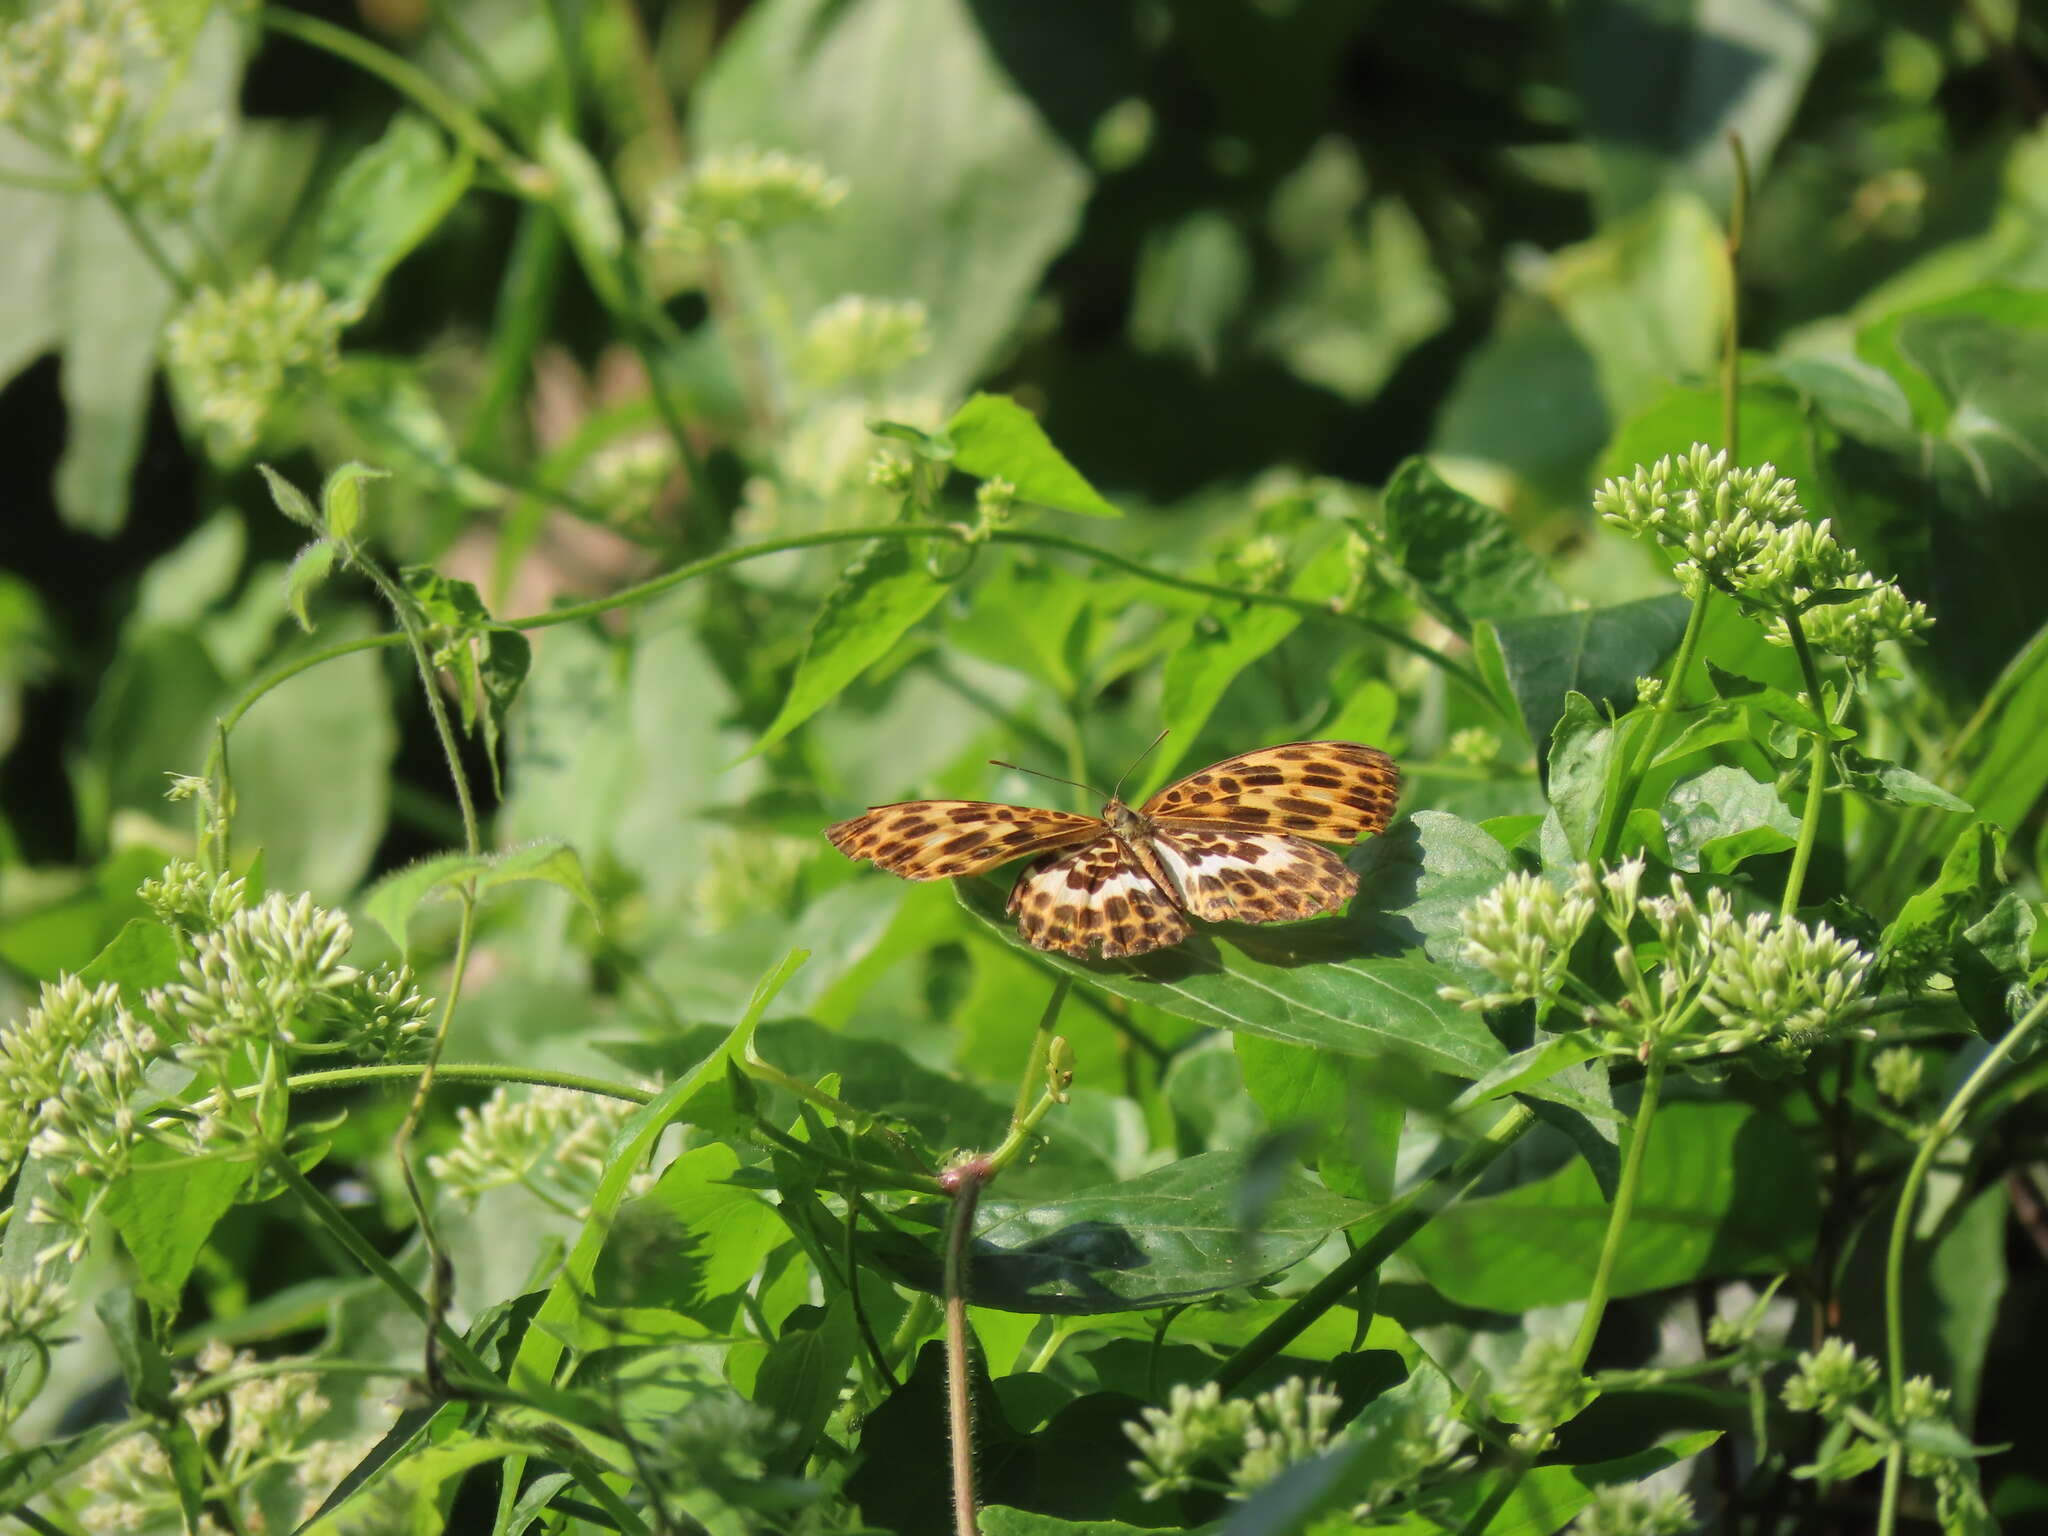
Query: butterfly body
[[1238, 841]]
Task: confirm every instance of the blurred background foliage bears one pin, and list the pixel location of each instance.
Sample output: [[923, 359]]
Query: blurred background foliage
[[1241, 257]]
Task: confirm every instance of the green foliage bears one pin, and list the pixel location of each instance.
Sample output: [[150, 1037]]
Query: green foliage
[[723, 423]]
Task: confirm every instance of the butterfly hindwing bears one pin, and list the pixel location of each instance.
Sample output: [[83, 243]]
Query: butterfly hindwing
[[1224, 875], [1094, 897], [938, 839], [1335, 791]]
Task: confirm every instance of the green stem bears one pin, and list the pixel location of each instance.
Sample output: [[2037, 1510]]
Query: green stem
[[1946, 1125], [1401, 1221], [1624, 1206], [1041, 1039], [456, 1072], [146, 242], [409, 81], [628, 596], [1817, 776], [1643, 755], [1731, 347], [1518, 1464], [343, 1231]]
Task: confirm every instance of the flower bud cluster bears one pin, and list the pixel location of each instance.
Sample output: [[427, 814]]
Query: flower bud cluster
[[1202, 1439], [1743, 532], [1829, 1379], [80, 80], [1629, 1509], [1900, 1073], [1521, 934], [1842, 1387], [237, 356], [856, 338], [508, 1140], [187, 898], [1545, 1388], [1714, 982], [741, 194], [254, 979]]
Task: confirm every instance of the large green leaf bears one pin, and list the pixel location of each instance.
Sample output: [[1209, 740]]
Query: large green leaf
[[960, 192], [1229, 637], [1189, 1229], [877, 601], [1462, 555], [165, 1214], [1662, 87], [1970, 368], [384, 203], [1726, 1190], [996, 438], [1344, 984], [2010, 750], [1718, 818], [1599, 652]]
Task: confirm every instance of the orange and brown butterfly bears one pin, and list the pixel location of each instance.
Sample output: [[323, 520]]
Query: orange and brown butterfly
[[1237, 841]]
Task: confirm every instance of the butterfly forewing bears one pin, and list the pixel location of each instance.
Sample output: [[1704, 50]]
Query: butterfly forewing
[[1223, 875], [1095, 896], [937, 839], [1335, 791]]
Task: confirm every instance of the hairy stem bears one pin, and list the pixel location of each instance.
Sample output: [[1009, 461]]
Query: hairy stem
[[1946, 1125], [967, 1181]]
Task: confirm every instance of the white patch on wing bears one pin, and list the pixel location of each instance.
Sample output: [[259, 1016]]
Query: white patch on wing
[[1253, 877], [1094, 896]]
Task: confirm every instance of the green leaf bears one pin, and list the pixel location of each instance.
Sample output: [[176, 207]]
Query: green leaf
[[395, 898], [1929, 925], [386, 200], [962, 192], [30, 1472], [1891, 784], [1968, 366], [165, 1215], [142, 956], [1660, 100], [1774, 702], [312, 767], [290, 500], [1339, 1099], [1339, 983], [1002, 1520], [1726, 1190], [1228, 638], [2008, 749], [1599, 652], [875, 604], [1716, 819], [309, 571], [584, 202], [1173, 1234], [716, 1234], [112, 303], [995, 437], [341, 499], [1585, 769], [490, 663], [540, 1352], [147, 1372], [803, 1374], [1466, 562]]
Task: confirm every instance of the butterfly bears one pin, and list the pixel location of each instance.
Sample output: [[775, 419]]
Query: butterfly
[[1237, 841]]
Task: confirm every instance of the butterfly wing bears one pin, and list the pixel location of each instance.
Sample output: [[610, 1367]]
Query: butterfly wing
[[1333, 791], [937, 839], [1096, 895], [1223, 875]]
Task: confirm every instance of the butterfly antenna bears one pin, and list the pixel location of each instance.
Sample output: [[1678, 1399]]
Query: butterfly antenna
[[997, 762], [1115, 793]]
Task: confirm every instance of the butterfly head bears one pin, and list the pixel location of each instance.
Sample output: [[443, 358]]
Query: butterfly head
[[1123, 821]]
